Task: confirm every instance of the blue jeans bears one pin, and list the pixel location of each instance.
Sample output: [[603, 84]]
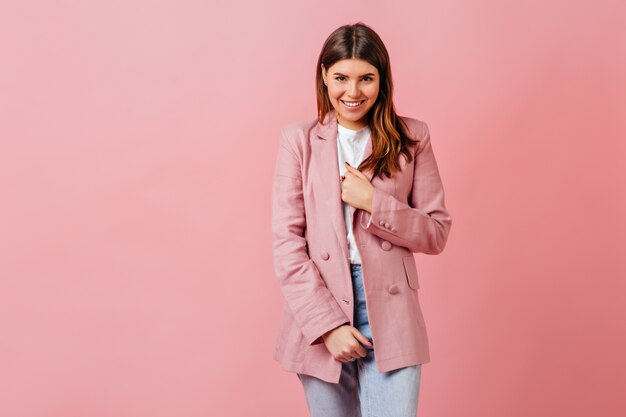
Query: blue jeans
[[362, 391]]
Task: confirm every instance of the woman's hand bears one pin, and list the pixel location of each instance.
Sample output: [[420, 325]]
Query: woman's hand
[[343, 343], [356, 189]]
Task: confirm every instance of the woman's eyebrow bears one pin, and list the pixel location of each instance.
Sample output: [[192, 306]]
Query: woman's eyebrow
[[369, 73]]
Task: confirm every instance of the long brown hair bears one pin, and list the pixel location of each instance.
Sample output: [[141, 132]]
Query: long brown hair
[[388, 131]]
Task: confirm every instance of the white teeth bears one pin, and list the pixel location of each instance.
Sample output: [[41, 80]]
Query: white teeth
[[352, 103]]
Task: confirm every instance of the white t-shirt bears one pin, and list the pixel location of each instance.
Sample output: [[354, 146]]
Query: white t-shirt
[[351, 147]]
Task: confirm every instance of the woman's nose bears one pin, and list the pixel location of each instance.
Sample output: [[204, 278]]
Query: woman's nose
[[354, 89]]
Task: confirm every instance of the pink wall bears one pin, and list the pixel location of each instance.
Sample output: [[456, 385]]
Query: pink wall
[[137, 142]]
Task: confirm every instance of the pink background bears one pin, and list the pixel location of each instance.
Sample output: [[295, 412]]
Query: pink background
[[137, 143]]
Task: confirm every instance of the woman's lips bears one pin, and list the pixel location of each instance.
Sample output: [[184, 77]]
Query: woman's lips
[[352, 107]]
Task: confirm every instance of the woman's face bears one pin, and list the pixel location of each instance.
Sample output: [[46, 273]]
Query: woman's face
[[352, 81]]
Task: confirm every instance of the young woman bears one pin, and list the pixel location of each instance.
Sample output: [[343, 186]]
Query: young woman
[[356, 193]]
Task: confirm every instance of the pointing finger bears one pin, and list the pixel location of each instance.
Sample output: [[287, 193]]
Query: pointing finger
[[354, 170]]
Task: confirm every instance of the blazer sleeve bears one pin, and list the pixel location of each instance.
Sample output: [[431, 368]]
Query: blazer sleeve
[[313, 306], [424, 224]]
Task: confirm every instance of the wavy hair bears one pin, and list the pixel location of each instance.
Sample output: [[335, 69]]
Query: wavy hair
[[389, 133]]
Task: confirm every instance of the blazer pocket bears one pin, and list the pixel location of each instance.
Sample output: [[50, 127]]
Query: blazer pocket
[[411, 271]]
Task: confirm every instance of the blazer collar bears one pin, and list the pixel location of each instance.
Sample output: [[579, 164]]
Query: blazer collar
[[328, 131]]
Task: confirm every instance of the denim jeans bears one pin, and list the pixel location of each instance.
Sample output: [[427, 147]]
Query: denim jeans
[[362, 390]]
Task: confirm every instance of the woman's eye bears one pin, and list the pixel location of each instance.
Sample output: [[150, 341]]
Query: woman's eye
[[340, 78]]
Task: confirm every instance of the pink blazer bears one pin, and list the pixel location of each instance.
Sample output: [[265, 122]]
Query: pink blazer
[[310, 249]]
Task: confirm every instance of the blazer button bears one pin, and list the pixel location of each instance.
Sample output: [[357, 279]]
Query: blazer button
[[393, 229], [325, 255], [387, 226], [393, 289], [382, 222], [385, 245]]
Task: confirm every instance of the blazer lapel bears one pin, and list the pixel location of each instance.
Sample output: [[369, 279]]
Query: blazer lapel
[[328, 172]]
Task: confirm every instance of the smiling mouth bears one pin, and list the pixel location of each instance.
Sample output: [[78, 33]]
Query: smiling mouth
[[352, 104]]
